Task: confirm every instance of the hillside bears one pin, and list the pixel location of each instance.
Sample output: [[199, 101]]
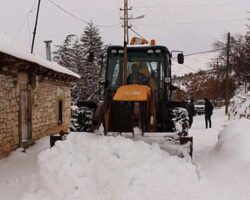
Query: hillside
[[198, 78]]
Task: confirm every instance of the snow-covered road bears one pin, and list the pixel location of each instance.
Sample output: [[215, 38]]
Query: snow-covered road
[[108, 168]]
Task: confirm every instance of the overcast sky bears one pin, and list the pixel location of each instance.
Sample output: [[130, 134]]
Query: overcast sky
[[188, 25]]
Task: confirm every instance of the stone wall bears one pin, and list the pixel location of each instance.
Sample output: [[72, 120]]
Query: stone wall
[[9, 109], [45, 109], [44, 98]]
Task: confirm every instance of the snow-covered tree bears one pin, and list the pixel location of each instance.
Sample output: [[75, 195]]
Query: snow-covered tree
[[64, 54], [92, 40], [83, 55], [92, 47]]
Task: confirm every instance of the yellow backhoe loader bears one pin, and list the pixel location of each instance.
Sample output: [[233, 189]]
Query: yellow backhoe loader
[[137, 100]]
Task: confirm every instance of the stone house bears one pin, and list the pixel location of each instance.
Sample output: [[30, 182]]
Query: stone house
[[34, 98]]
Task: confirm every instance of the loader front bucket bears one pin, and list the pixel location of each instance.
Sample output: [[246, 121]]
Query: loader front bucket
[[169, 142]]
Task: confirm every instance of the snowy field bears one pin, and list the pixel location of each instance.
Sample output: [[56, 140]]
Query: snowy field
[[114, 168]]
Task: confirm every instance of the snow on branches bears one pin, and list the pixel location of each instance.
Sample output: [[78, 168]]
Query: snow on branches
[[82, 54]]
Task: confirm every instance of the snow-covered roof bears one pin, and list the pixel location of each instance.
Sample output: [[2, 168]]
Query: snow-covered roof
[[7, 46]]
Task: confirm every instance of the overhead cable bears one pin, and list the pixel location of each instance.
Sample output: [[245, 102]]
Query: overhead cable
[[184, 65], [203, 52], [21, 27], [78, 18], [198, 5], [136, 33], [69, 13]]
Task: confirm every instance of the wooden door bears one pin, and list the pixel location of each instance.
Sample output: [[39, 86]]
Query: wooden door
[[25, 116]]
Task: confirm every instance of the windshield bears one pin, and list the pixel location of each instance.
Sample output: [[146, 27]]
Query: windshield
[[143, 68], [200, 103]]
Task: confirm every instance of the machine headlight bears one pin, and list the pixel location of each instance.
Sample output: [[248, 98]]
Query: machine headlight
[[157, 51]]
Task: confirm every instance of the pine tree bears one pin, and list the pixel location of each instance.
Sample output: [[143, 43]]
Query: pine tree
[[77, 57], [63, 56], [75, 54], [92, 42], [92, 45]]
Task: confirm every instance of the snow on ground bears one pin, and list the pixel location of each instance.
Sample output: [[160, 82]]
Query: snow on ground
[[110, 168], [19, 170], [224, 159], [99, 167]]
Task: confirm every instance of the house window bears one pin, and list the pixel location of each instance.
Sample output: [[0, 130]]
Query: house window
[[60, 112]]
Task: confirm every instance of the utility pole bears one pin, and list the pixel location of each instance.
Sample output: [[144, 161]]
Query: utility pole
[[227, 74], [126, 27], [125, 40], [34, 32]]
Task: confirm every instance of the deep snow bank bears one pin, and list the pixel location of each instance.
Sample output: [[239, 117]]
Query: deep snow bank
[[96, 168], [240, 104], [234, 142], [228, 164]]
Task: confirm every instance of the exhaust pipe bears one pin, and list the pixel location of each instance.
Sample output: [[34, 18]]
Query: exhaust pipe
[[48, 49]]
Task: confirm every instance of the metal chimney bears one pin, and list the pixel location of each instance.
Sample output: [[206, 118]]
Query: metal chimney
[[48, 49]]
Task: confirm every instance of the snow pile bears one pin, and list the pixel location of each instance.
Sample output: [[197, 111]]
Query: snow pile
[[94, 167], [232, 157], [227, 165], [240, 104], [234, 142]]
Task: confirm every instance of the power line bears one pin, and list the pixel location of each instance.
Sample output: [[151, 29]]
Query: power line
[[197, 53], [186, 66], [108, 26], [164, 25], [136, 33], [199, 22], [169, 16], [69, 13], [78, 18], [198, 5], [28, 24], [21, 27], [213, 22], [203, 52], [209, 51], [25, 19]]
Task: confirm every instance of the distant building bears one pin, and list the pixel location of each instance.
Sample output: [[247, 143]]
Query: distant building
[[34, 98]]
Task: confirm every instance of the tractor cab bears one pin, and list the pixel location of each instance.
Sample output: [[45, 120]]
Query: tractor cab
[[147, 65], [141, 99]]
